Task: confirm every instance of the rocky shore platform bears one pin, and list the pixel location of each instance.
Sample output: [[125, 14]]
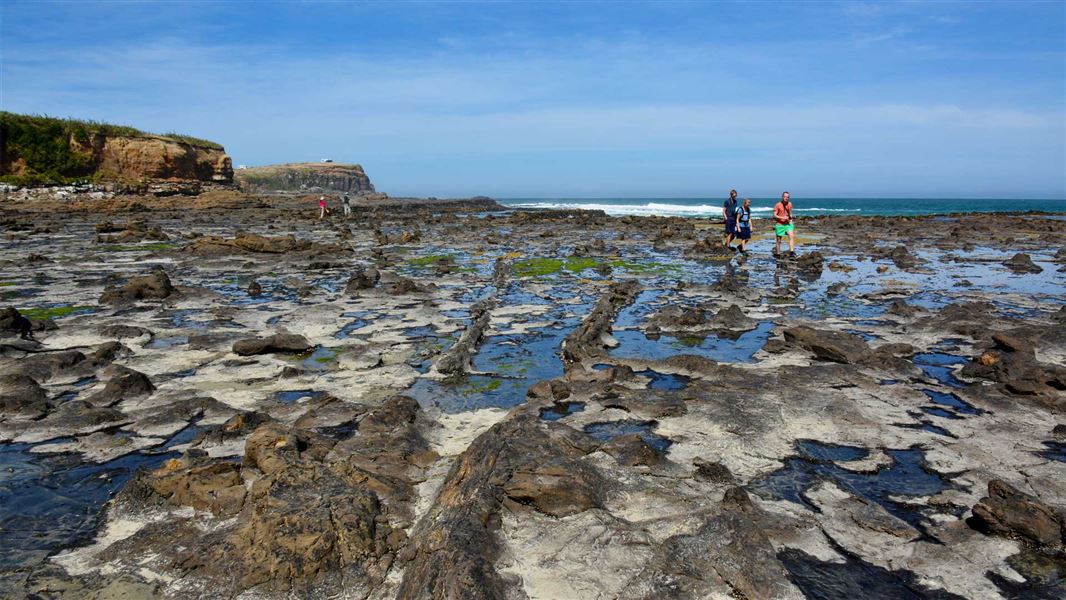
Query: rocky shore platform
[[221, 396]]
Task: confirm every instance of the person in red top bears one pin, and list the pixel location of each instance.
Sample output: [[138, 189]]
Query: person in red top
[[322, 208], [784, 226]]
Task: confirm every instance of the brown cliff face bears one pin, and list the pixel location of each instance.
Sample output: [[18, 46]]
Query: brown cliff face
[[305, 177], [150, 157]]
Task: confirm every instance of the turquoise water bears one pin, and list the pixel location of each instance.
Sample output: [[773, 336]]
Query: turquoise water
[[712, 207]]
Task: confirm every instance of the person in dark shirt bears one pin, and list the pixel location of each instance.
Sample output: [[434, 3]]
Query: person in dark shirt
[[729, 214]]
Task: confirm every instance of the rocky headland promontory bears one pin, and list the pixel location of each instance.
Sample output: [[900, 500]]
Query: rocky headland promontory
[[305, 178]]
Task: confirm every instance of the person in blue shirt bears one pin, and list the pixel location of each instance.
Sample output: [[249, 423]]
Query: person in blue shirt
[[743, 221]]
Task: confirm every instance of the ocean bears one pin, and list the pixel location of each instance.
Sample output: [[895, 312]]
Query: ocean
[[712, 207]]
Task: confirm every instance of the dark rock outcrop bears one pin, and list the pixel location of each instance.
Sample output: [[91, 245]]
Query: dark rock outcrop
[[1009, 512], [835, 346], [361, 279], [1022, 263], [279, 342], [149, 287]]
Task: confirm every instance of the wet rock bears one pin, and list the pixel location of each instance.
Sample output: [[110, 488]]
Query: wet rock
[[249, 243], [107, 352], [555, 389], [155, 287], [78, 416], [835, 346], [560, 490], [120, 332], [1059, 431], [235, 428], [254, 289], [836, 289], [45, 366], [404, 285], [631, 450], [361, 279], [14, 323], [453, 549], [903, 259], [1011, 513], [272, 448], [902, 309], [712, 471], [457, 359], [810, 262], [279, 342], [728, 555], [123, 384], [732, 318], [1022, 263], [200, 482], [22, 396], [1011, 361], [588, 340]]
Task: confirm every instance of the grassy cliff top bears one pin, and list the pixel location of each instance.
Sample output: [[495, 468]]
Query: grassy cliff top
[[14, 123], [43, 144], [304, 165]]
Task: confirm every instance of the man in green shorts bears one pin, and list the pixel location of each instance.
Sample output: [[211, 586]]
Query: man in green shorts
[[784, 226]]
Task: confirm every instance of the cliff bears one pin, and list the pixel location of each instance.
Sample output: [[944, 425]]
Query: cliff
[[43, 150], [305, 177]]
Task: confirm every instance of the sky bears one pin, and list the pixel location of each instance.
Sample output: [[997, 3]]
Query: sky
[[577, 99]]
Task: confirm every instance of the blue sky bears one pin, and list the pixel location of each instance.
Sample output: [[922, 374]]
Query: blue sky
[[578, 99]]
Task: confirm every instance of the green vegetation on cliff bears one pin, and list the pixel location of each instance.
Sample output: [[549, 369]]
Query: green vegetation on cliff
[[43, 144]]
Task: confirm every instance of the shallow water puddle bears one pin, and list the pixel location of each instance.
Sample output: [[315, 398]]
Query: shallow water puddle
[[53, 501], [926, 425], [957, 405], [559, 410], [319, 359], [161, 343], [469, 393], [854, 578], [664, 381], [608, 430], [717, 347], [291, 396], [907, 476], [1055, 451], [939, 366]]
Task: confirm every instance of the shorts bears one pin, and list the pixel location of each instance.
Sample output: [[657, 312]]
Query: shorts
[[730, 227], [744, 233], [783, 230]]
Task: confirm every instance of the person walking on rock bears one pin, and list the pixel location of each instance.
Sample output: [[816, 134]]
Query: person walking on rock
[[785, 226], [743, 221], [729, 214], [322, 209], [347, 202]]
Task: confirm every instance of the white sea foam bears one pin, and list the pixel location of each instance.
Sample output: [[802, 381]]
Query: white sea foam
[[664, 209]]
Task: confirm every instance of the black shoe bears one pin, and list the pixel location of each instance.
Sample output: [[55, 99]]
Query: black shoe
[[792, 255]]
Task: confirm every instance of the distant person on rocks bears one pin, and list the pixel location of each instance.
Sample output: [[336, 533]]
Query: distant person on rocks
[[347, 202], [744, 225], [322, 208], [785, 226], [729, 213]]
